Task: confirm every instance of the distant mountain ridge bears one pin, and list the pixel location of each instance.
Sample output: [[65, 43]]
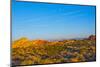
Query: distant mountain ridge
[[24, 42]]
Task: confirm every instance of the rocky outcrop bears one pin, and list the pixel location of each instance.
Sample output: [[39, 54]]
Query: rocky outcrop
[[92, 37]]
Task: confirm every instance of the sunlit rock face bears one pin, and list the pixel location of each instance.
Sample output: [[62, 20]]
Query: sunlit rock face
[[39, 42]]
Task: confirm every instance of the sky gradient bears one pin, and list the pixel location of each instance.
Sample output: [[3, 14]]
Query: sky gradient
[[52, 21]]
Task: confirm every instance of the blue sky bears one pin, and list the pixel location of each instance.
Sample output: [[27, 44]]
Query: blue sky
[[52, 21]]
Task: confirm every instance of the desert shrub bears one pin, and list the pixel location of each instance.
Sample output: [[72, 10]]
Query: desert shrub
[[26, 52]]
